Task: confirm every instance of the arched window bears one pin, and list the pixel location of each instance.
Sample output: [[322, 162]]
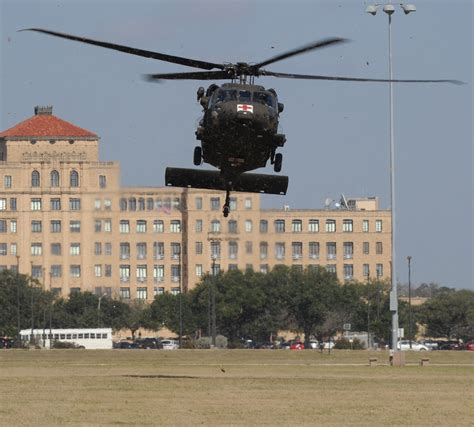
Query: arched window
[[54, 179], [141, 204], [74, 179], [132, 204], [123, 204], [149, 204], [35, 179]]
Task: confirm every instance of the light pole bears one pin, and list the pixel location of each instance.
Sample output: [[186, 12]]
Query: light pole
[[409, 299], [180, 301], [213, 300], [18, 296], [389, 9]]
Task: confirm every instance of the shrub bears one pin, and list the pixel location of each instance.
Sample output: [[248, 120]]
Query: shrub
[[345, 344]]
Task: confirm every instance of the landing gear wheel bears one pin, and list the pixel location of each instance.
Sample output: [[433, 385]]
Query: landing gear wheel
[[226, 210], [226, 207], [278, 162], [197, 159]]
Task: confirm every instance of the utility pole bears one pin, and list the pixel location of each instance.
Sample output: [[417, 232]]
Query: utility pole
[[409, 299]]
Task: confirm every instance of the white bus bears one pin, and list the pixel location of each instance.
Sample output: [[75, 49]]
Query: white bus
[[92, 338]]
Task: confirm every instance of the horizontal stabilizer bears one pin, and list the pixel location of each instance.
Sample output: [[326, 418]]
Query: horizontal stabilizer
[[213, 180]]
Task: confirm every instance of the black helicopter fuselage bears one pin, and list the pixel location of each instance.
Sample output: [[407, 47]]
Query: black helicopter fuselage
[[239, 129]]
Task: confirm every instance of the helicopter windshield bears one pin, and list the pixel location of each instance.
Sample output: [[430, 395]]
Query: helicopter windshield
[[264, 98], [243, 96]]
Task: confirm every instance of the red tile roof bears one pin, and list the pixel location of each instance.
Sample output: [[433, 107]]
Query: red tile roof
[[46, 125]]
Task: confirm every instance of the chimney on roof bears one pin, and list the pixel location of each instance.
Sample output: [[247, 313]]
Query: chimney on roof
[[44, 110]]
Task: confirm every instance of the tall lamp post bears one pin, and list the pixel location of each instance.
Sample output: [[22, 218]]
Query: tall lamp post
[[389, 9], [213, 300], [409, 299], [18, 296], [180, 301]]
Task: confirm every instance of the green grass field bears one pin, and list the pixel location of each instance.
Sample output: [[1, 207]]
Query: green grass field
[[233, 387]]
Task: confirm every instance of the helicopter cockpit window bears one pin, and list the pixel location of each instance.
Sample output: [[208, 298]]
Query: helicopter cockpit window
[[245, 96], [264, 98], [226, 95]]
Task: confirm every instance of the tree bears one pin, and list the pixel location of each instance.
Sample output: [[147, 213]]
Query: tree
[[449, 314]]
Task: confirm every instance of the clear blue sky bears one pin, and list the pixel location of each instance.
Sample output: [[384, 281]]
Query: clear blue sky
[[337, 133]]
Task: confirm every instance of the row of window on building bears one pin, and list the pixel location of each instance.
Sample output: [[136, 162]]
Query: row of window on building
[[54, 179]]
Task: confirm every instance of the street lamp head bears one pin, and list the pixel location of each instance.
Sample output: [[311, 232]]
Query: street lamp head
[[407, 8], [389, 9], [372, 9]]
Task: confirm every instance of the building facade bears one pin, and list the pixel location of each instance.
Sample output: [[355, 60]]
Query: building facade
[[66, 221]]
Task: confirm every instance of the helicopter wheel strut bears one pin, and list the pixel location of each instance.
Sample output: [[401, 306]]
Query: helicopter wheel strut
[[226, 207], [197, 158], [278, 161]]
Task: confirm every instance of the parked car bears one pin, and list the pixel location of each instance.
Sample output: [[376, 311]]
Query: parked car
[[148, 343], [6, 342], [169, 345], [126, 345], [404, 345], [450, 345], [285, 345], [297, 345], [431, 344], [469, 346], [265, 345]]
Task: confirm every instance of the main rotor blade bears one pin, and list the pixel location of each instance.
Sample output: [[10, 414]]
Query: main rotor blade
[[353, 79], [198, 75], [306, 48], [133, 51]]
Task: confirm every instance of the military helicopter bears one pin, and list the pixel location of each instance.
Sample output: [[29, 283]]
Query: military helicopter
[[239, 128]]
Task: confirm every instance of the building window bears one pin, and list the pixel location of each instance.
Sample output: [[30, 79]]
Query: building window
[[233, 204], [347, 226], [97, 225], [74, 179], [124, 226], [198, 201], [297, 250], [98, 270], [366, 270], [55, 226], [175, 291], [158, 226], [232, 267], [75, 271], [215, 203], [13, 249], [124, 250], [296, 226], [175, 250], [123, 204], [215, 226], [233, 248], [141, 226], [149, 204], [108, 248], [264, 268], [365, 226], [175, 272], [248, 226], [3, 249], [379, 270], [141, 204], [199, 270], [348, 250], [107, 225], [158, 291], [97, 248], [37, 272], [158, 250], [142, 272], [215, 250], [124, 273], [36, 249], [378, 248], [75, 249], [248, 203], [75, 204], [102, 181], [35, 179], [3, 226], [54, 178], [263, 226], [36, 226], [348, 271], [365, 248], [55, 204], [330, 226], [331, 250], [132, 204], [13, 204], [97, 204], [142, 293], [159, 273], [108, 270], [3, 204], [263, 250], [12, 226], [232, 226], [35, 204], [280, 250], [175, 226], [279, 226], [198, 248], [378, 225], [331, 268], [313, 249], [248, 248], [141, 250], [125, 293], [75, 226], [56, 271], [198, 226], [7, 181], [107, 204], [55, 248]]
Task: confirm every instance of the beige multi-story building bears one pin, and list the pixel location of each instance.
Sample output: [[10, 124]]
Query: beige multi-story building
[[66, 220]]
